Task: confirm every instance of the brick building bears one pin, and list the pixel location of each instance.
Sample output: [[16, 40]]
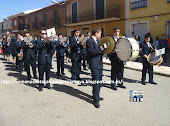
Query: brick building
[[49, 17]]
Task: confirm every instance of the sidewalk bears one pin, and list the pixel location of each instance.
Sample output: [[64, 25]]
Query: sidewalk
[[159, 70]]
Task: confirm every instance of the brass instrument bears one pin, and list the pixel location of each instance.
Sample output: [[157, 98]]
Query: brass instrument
[[110, 43], [28, 40], [83, 41], [63, 40], [21, 55]]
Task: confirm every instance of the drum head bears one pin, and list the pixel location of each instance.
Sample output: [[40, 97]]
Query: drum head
[[123, 49], [153, 59]]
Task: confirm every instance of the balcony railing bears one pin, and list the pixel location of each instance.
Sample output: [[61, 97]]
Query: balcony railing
[[112, 11], [54, 22], [46, 24], [5, 30], [35, 25], [23, 27], [139, 4]]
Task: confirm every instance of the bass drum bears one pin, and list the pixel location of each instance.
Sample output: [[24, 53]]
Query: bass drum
[[127, 49]]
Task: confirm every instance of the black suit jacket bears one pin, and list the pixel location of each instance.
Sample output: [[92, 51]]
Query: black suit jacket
[[145, 50], [94, 54], [60, 49], [74, 49], [29, 52], [45, 51]]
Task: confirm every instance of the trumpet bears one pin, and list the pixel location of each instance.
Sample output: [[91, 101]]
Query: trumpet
[[83, 41], [63, 41]]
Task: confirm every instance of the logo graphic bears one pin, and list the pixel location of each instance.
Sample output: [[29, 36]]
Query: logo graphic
[[136, 96]]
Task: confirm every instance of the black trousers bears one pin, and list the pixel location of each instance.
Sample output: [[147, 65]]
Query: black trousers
[[44, 68], [84, 61], [76, 68], [19, 64], [32, 63], [60, 64], [117, 70], [149, 68], [96, 76]]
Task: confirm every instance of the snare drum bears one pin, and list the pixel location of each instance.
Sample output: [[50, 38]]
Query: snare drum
[[127, 49], [154, 60]]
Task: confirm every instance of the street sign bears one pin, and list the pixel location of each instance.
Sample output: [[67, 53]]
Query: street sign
[[7, 32]]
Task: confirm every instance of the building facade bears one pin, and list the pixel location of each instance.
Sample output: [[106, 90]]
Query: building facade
[[53, 16], [20, 22], [88, 14], [147, 16]]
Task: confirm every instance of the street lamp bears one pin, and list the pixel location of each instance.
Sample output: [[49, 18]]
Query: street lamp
[[58, 2]]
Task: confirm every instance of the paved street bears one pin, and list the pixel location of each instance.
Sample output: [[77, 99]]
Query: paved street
[[71, 104]]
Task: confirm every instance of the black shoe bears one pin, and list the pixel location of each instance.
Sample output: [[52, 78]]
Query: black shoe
[[36, 77], [29, 78], [121, 86], [40, 88], [78, 78], [48, 86], [152, 82], [97, 105], [113, 86], [101, 99], [143, 82], [63, 73], [58, 74]]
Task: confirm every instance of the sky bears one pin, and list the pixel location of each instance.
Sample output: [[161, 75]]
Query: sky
[[12, 7]]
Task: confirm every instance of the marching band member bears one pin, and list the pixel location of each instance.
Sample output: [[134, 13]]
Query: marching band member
[[117, 66], [60, 50], [94, 53], [84, 54], [7, 47], [76, 55], [29, 52], [68, 51], [19, 52], [146, 50], [45, 52]]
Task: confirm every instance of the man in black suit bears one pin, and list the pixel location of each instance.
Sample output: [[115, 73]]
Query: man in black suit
[[147, 48], [94, 53], [30, 57], [75, 55], [45, 51], [117, 66], [19, 51], [60, 50], [84, 52]]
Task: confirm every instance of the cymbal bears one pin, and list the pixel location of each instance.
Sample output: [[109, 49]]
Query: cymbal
[[110, 42]]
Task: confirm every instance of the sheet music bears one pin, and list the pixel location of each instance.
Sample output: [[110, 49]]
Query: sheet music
[[160, 52]]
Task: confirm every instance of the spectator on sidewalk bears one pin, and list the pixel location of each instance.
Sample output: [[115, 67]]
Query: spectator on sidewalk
[[163, 43], [156, 43], [137, 37]]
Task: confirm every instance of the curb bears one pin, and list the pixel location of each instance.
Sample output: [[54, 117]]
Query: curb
[[157, 73]]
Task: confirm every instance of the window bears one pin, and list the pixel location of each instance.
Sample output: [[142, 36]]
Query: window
[[135, 4], [15, 23], [36, 21], [26, 21], [45, 19], [56, 17], [74, 13], [100, 9], [20, 21]]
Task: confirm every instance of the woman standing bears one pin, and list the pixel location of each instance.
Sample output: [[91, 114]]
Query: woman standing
[[7, 48]]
